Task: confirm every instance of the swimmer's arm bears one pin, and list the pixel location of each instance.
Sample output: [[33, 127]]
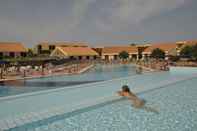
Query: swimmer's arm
[[120, 93]]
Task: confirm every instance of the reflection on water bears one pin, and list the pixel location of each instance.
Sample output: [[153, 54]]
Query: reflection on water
[[139, 70], [22, 83], [18, 87]]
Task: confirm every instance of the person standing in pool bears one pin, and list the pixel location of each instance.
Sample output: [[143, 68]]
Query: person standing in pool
[[136, 101]]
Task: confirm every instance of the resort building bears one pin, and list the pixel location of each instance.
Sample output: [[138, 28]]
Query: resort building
[[48, 47], [182, 44], [168, 48], [75, 53], [98, 50], [112, 53], [12, 49]]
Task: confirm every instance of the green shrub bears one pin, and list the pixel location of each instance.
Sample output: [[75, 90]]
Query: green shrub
[[158, 54]]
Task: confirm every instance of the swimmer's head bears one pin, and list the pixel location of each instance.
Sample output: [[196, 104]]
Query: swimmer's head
[[125, 88]]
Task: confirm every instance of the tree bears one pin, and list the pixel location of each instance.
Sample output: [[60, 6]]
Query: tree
[[158, 54], [132, 44], [174, 58], [186, 52], [46, 52], [124, 55], [30, 53], [194, 52]]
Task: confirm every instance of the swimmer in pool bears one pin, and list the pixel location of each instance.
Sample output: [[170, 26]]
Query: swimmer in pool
[[136, 101]]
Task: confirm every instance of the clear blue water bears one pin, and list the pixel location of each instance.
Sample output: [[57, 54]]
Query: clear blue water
[[172, 94], [183, 70], [98, 73], [176, 104]]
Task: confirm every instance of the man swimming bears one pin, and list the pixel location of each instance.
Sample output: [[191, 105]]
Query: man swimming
[[136, 101]]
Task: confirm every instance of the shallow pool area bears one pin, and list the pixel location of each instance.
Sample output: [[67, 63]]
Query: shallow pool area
[[96, 106], [183, 70], [176, 105]]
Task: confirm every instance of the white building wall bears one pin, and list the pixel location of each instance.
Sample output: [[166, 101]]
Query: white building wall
[[6, 53], [111, 57], [83, 57], [17, 54], [91, 57], [166, 55], [130, 56]]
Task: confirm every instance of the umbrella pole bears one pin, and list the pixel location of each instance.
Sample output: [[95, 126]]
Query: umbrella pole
[[42, 68], [1, 72]]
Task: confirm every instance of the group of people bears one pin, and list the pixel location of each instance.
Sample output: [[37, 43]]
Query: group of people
[[162, 65], [18, 72]]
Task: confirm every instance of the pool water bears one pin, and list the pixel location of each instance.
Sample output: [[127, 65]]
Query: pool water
[[97, 107], [96, 74], [176, 104]]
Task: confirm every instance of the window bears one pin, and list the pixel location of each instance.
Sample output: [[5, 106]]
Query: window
[[115, 57], [1, 55], [23, 54], [106, 57], [71, 57], [39, 47], [51, 47], [12, 54]]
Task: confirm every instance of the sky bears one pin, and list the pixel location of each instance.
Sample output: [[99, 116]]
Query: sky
[[98, 22]]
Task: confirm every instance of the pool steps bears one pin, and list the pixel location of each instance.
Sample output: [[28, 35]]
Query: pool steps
[[86, 69], [29, 118]]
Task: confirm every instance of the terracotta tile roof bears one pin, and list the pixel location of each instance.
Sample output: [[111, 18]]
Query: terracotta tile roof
[[45, 45], [63, 43], [118, 49], [12, 47], [191, 42], [164, 46], [182, 44], [81, 44], [78, 51]]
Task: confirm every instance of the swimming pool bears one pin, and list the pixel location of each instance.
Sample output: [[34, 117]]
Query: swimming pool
[[97, 73], [177, 112], [95, 106]]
